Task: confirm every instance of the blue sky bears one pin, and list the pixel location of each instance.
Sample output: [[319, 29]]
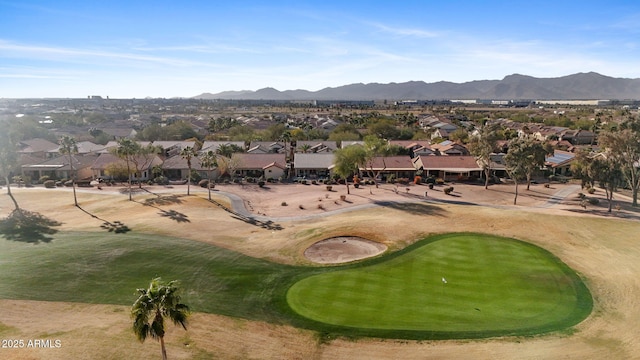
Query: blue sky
[[127, 49]]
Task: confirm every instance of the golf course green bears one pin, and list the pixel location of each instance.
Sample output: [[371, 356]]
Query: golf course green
[[445, 286], [455, 285]]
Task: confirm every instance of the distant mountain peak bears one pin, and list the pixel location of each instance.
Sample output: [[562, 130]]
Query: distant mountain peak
[[579, 86]]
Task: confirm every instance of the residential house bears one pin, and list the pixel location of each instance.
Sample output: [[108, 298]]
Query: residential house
[[578, 137], [266, 147], [177, 168], [315, 146], [37, 148], [451, 148], [313, 165], [58, 167], [215, 145], [560, 162], [449, 168], [105, 161], [268, 165], [398, 166], [84, 148]]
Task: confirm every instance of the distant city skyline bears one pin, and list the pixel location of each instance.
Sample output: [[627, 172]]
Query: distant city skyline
[[139, 49]]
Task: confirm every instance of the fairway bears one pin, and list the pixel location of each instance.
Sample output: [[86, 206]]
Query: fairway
[[457, 285]]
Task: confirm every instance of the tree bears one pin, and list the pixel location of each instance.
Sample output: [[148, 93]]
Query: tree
[[375, 147], [607, 171], [69, 146], [227, 150], [481, 147], [127, 150], [209, 160], [161, 300], [8, 159], [532, 155], [188, 153], [517, 161], [624, 146], [347, 161], [144, 158]]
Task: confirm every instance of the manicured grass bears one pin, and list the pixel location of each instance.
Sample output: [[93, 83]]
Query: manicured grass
[[458, 285], [404, 289]]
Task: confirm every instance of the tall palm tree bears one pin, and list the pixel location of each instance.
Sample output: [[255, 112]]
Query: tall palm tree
[[159, 301], [69, 146], [188, 153], [209, 160], [126, 150]]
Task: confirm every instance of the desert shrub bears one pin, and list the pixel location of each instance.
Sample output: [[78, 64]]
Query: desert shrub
[[581, 196], [284, 203], [391, 179], [43, 179], [329, 187], [356, 185], [304, 182], [49, 184], [301, 207], [313, 182], [195, 176], [591, 190], [261, 183], [594, 201], [68, 183], [160, 180], [439, 181], [203, 183], [448, 190]]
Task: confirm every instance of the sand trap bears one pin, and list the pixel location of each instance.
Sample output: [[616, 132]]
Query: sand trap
[[343, 249]]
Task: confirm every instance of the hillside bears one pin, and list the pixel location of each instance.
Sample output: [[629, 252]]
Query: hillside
[[513, 87]]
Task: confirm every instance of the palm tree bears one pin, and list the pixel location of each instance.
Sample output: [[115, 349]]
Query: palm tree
[[188, 153], [209, 160], [153, 305], [126, 150], [69, 146]]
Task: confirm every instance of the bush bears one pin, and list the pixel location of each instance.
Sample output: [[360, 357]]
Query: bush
[[448, 190], [160, 180], [49, 184], [439, 181], [329, 187], [261, 183], [591, 190], [43, 179], [284, 203], [203, 183], [594, 201]]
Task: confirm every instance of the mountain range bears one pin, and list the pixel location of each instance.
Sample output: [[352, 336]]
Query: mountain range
[[580, 86]]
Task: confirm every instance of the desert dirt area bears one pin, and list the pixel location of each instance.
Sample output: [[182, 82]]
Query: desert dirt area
[[602, 247]]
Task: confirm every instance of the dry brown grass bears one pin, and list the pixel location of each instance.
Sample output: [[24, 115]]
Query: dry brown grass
[[604, 250]]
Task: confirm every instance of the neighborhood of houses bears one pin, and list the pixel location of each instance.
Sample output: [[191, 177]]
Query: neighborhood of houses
[[278, 160]]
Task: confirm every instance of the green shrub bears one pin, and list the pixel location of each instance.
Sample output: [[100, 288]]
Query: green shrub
[[43, 179], [49, 184], [591, 190], [203, 183], [448, 190], [261, 183]]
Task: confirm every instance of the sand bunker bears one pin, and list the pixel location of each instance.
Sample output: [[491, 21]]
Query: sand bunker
[[343, 249]]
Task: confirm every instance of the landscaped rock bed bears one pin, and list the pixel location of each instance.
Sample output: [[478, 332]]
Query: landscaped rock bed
[[343, 249]]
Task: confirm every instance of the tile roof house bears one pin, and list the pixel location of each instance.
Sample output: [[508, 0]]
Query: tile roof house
[[312, 165], [58, 167], [399, 166], [260, 165], [101, 166], [559, 162], [450, 168], [316, 146]]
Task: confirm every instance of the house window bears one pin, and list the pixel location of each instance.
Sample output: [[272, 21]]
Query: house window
[[269, 170]]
